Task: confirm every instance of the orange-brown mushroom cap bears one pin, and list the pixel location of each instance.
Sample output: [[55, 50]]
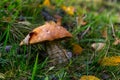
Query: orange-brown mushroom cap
[[48, 32]]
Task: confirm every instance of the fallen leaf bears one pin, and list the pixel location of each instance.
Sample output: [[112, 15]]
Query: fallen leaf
[[104, 33], [98, 46], [89, 77], [59, 19], [110, 61], [48, 4], [117, 41], [77, 49], [83, 23], [69, 10], [7, 19], [80, 21]]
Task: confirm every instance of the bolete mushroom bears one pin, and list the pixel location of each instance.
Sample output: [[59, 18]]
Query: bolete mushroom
[[50, 33]]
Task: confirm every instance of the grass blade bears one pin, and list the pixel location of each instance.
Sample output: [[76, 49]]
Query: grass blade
[[34, 68]]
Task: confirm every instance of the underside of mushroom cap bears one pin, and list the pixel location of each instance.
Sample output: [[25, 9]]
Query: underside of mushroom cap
[[48, 32]]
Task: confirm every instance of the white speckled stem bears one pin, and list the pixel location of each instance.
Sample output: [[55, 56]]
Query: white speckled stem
[[56, 53]]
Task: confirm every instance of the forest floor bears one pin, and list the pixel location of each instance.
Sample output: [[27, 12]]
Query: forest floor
[[94, 24]]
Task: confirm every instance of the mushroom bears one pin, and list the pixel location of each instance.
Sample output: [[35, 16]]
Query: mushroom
[[51, 34]]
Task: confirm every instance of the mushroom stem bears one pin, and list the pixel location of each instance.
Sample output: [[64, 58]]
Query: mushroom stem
[[57, 53]]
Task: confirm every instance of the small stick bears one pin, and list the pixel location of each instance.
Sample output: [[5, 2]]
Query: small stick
[[113, 31], [85, 32]]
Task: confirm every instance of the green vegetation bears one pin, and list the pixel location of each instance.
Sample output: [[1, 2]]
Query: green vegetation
[[19, 17]]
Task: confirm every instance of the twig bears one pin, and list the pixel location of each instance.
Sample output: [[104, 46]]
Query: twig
[[85, 32], [113, 31]]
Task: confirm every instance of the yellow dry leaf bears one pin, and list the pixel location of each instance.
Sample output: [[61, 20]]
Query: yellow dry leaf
[[98, 46], [77, 49], [89, 77], [69, 10], [47, 3], [110, 61]]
